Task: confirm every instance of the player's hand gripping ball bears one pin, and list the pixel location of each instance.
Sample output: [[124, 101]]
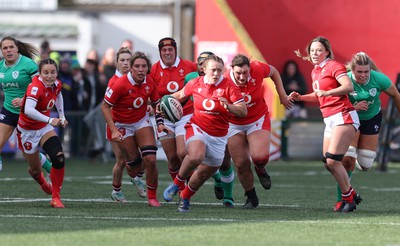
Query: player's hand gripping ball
[[171, 108]]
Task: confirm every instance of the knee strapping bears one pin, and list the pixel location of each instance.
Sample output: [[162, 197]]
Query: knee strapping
[[365, 159], [148, 150], [135, 162], [334, 157], [54, 149], [351, 152]]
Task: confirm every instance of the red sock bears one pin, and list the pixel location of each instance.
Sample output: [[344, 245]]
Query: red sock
[[151, 191], [173, 173], [57, 178], [348, 196], [187, 193], [39, 178], [180, 182]]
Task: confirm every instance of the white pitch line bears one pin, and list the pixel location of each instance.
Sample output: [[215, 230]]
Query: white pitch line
[[201, 219], [103, 200]]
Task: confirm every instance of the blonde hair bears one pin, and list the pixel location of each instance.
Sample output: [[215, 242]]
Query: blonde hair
[[324, 41], [361, 59]]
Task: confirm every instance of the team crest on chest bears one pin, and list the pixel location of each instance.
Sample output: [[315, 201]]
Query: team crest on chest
[[147, 88], [253, 81], [372, 92], [219, 92], [15, 74], [181, 71]]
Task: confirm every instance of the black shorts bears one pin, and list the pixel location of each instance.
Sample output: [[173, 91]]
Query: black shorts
[[371, 126], [8, 118]]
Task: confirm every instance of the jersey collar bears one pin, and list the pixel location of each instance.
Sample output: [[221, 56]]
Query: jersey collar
[[118, 73], [208, 83], [232, 76], [322, 64], [163, 66], [133, 82]]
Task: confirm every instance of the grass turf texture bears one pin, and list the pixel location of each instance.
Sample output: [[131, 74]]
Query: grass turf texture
[[298, 210]]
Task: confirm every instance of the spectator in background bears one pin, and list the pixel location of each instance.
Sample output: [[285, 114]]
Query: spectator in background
[[97, 89], [65, 76], [293, 80], [127, 43], [107, 64], [94, 120], [45, 49], [93, 55], [47, 52], [80, 97]]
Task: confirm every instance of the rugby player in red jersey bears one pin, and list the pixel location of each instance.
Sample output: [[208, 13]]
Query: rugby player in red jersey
[[36, 128], [331, 86]]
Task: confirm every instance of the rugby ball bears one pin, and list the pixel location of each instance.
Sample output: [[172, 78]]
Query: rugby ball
[[171, 108]]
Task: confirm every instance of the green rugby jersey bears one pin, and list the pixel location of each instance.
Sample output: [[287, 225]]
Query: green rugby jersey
[[191, 76], [369, 92], [15, 79]]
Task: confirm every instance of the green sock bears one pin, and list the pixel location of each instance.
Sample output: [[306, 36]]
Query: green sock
[[227, 178], [217, 179], [46, 164], [339, 191]]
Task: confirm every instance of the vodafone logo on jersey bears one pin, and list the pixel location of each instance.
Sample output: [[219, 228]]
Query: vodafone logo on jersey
[[50, 104], [247, 99], [315, 85], [173, 86], [138, 102], [208, 104]]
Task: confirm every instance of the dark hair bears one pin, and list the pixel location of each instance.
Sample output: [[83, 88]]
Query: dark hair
[[140, 55], [167, 41], [240, 60], [204, 55], [285, 67], [47, 61], [123, 50], [324, 41], [24, 49]]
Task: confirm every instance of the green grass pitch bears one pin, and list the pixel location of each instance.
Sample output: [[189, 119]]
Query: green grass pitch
[[296, 211]]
